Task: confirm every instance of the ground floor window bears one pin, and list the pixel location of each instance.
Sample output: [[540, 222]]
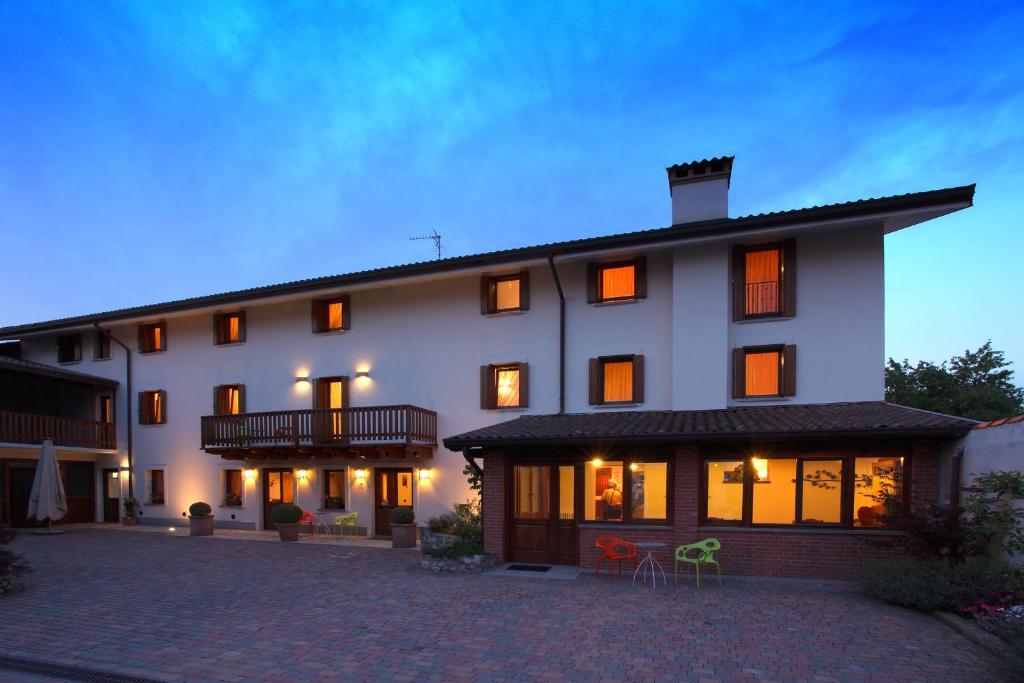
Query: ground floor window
[[334, 490], [620, 491], [233, 488], [805, 490], [155, 486]]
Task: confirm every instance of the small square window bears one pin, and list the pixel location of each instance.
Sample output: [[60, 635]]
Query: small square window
[[764, 371], [620, 281], [334, 490], [331, 315], [152, 337], [503, 386], [229, 328], [505, 293], [152, 407], [229, 399], [101, 346], [69, 348], [616, 379]]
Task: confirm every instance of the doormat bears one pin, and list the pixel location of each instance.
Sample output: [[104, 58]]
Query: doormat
[[527, 568]]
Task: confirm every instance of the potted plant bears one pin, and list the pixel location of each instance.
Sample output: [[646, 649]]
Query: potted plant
[[334, 503], [131, 512], [403, 527], [232, 500], [286, 518], [200, 519]]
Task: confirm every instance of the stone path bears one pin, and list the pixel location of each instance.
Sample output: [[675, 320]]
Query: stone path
[[202, 609]]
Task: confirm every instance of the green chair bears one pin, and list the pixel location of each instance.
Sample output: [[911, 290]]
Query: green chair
[[704, 554], [348, 520]]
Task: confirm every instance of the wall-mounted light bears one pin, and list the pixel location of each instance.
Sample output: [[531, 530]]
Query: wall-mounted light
[[597, 462], [425, 474], [633, 467], [301, 378], [362, 374], [360, 476], [114, 475], [249, 474], [302, 475], [760, 466]]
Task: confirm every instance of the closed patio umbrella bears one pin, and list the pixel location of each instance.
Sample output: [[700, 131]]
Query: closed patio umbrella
[[47, 500]]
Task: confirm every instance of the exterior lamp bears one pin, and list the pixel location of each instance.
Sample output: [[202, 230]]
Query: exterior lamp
[[760, 466], [301, 378], [597, 462], [249, 474], [114, 474], [361, 475], [633, 467], [302, 475], [362, 374], [425, 474]]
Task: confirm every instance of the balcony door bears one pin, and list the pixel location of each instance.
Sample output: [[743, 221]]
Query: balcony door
[[392, 488], [330, 393], [278, 488], [543, 515]]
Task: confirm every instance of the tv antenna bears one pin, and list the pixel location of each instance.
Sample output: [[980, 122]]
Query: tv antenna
[[432, 236]]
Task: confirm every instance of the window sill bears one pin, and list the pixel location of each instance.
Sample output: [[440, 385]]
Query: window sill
[[508, 409], [152, 353], [824, 531], [341, 511], [69, 362], [152, 424], [229, 344], [616, 302], [619, 525], [231, 507], [765, 319], [631, 405], [506, 314], [763, 399], [327, 333], [100, 360]]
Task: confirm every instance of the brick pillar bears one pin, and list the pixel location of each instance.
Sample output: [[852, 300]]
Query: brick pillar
[[687, 486], [493, 498], [924, 475]]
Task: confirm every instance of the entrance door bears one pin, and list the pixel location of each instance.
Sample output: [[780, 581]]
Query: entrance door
[[278, 488], [111, 496], [543, 516], [393, 489]]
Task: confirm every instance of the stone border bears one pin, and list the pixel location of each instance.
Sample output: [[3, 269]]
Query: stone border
[[976, 634], [469, 564]]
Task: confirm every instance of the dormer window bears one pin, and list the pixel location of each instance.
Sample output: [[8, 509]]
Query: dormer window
[[229, 328], [331, 315], [764, 281], [617, 281], [505, 293], [152, 337]]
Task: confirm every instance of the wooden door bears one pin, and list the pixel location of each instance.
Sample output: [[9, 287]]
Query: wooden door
[[278, 488], [543, 526], [79, 480], [111, 495], [392, 488]]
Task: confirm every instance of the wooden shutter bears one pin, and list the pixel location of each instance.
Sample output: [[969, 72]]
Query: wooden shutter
[[638, 379], [640, 277], [163, 407], [317, 404], [488, 295], [143, 409], [524, 290], [241, 398], [316, 314], [739, 373], [344, 389], [218, 321], [241, 326], [789, 370], [486, 387], [162, 326], [739, 284], [218, 401], [595, 383], [592, 292], [142, 337], [346, 314], [524, 385], [789, 277]]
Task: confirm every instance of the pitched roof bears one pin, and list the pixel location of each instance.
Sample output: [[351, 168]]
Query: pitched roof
[[720, 227], [32, 368], [1001, 421], [867, 418]]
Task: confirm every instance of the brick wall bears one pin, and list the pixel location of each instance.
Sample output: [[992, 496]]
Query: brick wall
[[493, 497]]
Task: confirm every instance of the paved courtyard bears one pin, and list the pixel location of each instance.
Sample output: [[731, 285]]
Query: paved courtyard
[[204, 609]]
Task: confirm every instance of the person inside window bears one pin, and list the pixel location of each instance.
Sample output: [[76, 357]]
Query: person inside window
[[612, 498]]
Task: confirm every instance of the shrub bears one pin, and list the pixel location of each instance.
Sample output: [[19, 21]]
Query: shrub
[[11, 566], [199, 510], [464, 521], [930, 584], [456, 550], [131, 507], [286, 513], [403, 514]]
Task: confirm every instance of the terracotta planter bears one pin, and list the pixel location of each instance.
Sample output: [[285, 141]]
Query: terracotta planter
[[288, 532], [200, 526], [403, 535], [130, 521]]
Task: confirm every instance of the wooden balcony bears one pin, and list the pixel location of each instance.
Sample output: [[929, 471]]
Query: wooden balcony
[[396, 431], [63, 431]]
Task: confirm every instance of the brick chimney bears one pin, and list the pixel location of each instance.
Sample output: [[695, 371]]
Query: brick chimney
[[700, 189]]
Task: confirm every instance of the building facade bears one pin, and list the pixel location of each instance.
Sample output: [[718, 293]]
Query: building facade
[[582, 378]]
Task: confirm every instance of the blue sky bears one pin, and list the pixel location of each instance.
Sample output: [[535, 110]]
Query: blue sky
[[151, 151]]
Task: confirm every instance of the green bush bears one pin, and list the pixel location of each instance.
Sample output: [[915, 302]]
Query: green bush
[[403, 514], [456, 550], [286, 513], [930, 584], [11, 565], [464, 521], [200, 510]]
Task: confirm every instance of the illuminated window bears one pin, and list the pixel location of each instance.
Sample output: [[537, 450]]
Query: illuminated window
[[503, 386], [229, 399], [101, 346], [155, 487], [620, 281], [69, 348], [616, 379], [505, 293], [877, 487], [723, 481], [152, 337], [331, 394], [532, 492], [334, 490], [615, 491], [229, 328], [821, 491], [105, 409], [764, 371], [232, 488], [331, 315], [152, 407], [761, 285], [775, 494]]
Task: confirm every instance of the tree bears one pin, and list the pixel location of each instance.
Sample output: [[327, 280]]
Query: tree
[[976, 385]]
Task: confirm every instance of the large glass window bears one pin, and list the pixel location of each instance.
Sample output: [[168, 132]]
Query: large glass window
[[334, 490], [876, 481], [615, 491], [821, 491], [724, 484], [649, 491], [774, 491], [567, 492]]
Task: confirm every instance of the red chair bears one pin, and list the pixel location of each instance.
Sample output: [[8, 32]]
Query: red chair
[[315, 523], [614, 549]]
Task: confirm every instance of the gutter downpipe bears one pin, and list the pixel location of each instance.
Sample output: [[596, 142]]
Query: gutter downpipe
[[128, 404], [561, 336]]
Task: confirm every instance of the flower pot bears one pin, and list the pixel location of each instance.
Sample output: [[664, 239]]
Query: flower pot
[[130, 521], [200, 526], [288, 532], [403, 535]]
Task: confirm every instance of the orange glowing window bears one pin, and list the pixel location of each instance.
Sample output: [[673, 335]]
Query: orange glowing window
[[618, 381], [507, 294], [504, 293], [618, 282], [228, 399], [152, 407], [763, 282], [229, 328], [503, 386], [331, 315], [152, 337], [762, 373], [508, 387]]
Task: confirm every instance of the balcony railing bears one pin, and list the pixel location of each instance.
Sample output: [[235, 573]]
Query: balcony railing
[[63, 431], [341, 427], [763, 298]]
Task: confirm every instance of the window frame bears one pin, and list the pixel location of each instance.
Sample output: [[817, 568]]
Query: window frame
[[595, 281], [101, 339], [222, 327], [489, 293], [100, 400], [146, 416], [144, 339], [846, 512], [150, 480], [597, 379], [220, 395], [627, 491], [320, 314], [75, 339], [786, 371], [489, 385], [225, 483], [787, 280], [325, 489]]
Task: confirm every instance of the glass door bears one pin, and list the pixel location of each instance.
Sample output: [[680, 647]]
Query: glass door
[[543, 519]]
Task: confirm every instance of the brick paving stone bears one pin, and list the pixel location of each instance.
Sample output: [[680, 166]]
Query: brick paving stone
[[207, 610]]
